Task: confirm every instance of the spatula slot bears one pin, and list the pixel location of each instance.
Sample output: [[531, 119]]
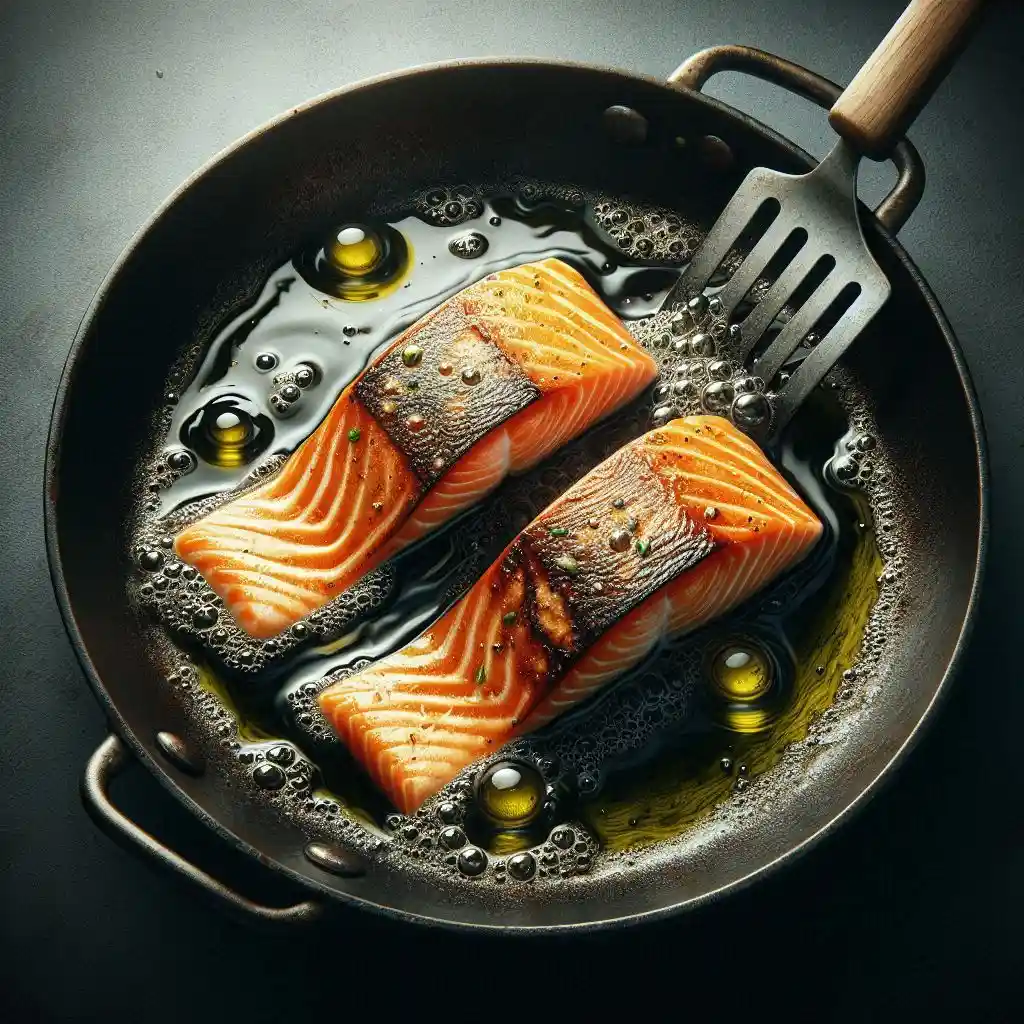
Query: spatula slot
[[777, 305], [753, 231], [777, 265], [823, 309]]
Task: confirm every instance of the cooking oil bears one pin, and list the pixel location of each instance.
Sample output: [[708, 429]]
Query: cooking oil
[[657, 752]]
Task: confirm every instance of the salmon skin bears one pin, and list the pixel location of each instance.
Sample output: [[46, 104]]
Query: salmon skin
[[489, 383], [674, 529]]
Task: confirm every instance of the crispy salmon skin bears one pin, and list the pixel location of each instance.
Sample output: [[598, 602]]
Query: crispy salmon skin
[[492, 381], [674, 529]]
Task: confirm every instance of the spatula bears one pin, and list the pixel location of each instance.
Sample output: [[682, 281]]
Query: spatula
[[841, 285]]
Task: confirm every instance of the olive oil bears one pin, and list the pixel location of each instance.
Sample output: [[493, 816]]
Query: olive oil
[[686, 733]]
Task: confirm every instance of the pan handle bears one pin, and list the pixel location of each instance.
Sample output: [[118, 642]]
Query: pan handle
[[111, 757], [893, 211]]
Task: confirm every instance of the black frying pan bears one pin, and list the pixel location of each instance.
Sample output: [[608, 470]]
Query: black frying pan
[[481, 121]]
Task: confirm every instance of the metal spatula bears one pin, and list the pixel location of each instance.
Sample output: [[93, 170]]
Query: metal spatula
[[842, 286]]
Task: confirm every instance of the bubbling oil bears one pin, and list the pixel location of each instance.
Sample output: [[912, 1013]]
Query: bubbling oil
[[671, 744]]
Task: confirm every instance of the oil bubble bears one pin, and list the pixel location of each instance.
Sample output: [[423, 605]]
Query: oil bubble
[[412, 355], [745, 686], [510, 793], [181, 460], [741, 672], [718, 396], [563, 837], [844, 468], [452, 838], [472, 861], [702, 345], [468, 246], [205, 617], [358, 262], [522, 867], [281, 754], [268, 776], [151, 559], [751, 410], [228, 431], [697, 307]]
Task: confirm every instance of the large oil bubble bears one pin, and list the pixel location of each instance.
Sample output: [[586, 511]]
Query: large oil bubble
[[745, 685], [510, 794], [358, 262], [228, 431]]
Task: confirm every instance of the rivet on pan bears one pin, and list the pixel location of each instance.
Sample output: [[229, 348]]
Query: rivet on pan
[[178, 752], [335, 860], [625, 125], [715, 152]]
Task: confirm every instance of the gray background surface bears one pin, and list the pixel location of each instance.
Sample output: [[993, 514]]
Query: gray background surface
[[914, 909]]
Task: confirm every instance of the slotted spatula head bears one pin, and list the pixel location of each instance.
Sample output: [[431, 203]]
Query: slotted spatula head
[[813, 248], [819, 208]]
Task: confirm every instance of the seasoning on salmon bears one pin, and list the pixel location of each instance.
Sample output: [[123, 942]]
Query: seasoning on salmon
[[489, 383], [691, 519]]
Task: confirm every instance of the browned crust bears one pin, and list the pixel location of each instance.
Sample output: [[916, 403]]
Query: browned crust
[[435, 417], [579, 585]]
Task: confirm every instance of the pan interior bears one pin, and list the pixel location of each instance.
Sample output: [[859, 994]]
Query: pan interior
[[291, 198]]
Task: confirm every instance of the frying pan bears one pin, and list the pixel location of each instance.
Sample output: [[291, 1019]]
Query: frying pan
[[204, 253]]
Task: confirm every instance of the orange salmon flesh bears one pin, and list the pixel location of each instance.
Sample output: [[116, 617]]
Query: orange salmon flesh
[[674, 529], [489, 383]]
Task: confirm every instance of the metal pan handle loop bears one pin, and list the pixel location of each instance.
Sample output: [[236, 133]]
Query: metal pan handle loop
[[109, 760], [894, 211]]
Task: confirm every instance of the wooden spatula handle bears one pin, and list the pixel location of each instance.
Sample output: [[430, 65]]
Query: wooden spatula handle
[[899, 77]]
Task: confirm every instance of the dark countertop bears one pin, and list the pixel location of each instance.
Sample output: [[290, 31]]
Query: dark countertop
[[913, 909]]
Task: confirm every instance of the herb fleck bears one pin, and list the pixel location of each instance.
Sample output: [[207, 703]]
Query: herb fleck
[[354, 434], [412, 355], [568, 564]]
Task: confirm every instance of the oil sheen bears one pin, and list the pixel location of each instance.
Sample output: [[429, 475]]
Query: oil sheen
[[685, 734]]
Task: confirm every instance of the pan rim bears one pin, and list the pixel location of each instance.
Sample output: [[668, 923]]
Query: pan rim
[[51, 471]]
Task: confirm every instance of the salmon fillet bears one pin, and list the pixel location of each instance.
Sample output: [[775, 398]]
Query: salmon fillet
[[489, 383], [674, 529]]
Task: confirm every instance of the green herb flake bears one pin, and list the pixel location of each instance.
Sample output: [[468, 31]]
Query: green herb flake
[[558, 531], [412, 355], [481, 676], [568, 565], [354, 434], [643, 547], [509, 618]]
